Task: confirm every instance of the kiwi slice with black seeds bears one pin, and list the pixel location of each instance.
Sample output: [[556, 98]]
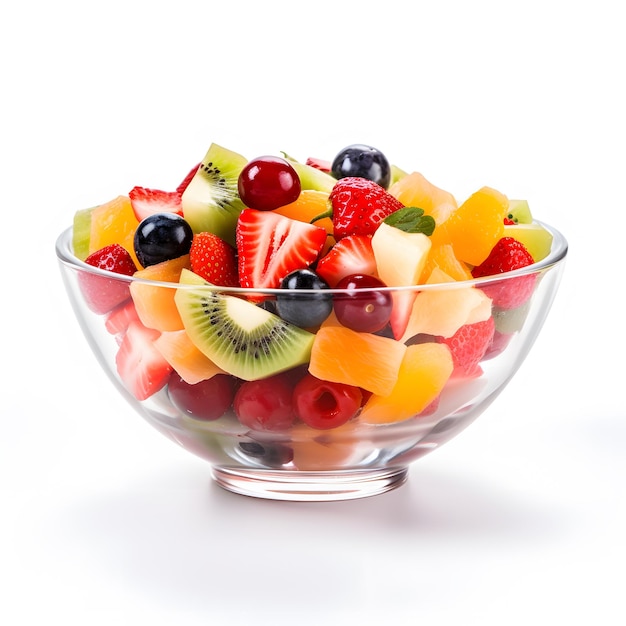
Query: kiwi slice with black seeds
[[211, 202], [519, 212], [242, 338]]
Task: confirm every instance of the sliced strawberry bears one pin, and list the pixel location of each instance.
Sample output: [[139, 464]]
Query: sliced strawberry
[[351, 255], [319, 164], [469, 345], [102, 294], [185, 182], [147, 202], [140, 365], [507, 255], [359, 206], [270, 246], [214, 260], [119, 319]]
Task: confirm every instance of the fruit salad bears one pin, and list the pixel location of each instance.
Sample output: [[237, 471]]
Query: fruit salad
[[297, 302]]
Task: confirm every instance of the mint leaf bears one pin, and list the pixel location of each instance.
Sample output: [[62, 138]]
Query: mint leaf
[[411, 220]]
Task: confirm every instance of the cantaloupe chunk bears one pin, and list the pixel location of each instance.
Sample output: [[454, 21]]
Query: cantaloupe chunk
[[442, 312], [155, 304], [114, 222], [181, 353], [442, 256], [334, 449], [424, 371], [345, 356], [415, 190]]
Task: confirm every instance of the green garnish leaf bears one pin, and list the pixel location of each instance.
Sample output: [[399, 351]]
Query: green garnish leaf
[[411, 220]]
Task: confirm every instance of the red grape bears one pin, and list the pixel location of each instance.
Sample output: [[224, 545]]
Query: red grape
[[362, 308]]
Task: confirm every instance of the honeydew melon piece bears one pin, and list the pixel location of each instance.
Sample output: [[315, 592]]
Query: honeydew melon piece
[[397, 173], [536, 239], [81, 233], [400, 259]]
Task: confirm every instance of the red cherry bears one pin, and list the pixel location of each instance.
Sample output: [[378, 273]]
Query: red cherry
[[322, 404], [207, 400], [265, 404], [268, 182]]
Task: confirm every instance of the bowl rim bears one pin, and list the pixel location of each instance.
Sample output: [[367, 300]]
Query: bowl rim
[[557, 255]]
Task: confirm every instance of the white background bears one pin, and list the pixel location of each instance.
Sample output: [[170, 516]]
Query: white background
[[520, 519]]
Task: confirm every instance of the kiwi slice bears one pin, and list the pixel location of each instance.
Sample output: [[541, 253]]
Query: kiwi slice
[[310, 177], [242, 338], [519, 212], [211, 202]]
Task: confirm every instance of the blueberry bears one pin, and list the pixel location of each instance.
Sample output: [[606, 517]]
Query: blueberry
[[304, 309], [273, 455], [162, 237], [364, 161]]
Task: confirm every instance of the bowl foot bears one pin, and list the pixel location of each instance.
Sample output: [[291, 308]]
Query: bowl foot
[[309, 486]]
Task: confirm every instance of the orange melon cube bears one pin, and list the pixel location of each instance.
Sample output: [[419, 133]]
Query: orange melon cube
[[424, 371], [114, 222], [332, 449], [415, 190], [181, 353], [442, 312], [155, 304], [442, 257], [345, 356], [476, 226]]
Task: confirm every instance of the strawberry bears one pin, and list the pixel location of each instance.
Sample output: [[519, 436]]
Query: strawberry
[[270, 246], [185, 182], [319, 164], [141, 367], [507, 255], [469, 345], [103, 294], [147, 202], [120, 318], [351, 255], [359, 205], [214, 260]]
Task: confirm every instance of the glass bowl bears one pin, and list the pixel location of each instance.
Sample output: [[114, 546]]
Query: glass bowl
[[286, 457]]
